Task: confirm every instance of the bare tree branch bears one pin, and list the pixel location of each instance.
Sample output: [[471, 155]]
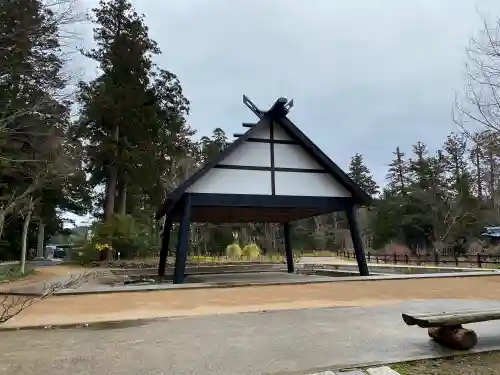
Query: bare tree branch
[[480, 102], [12, 305]]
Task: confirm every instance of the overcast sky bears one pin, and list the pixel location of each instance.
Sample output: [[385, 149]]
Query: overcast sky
[[366, 75]]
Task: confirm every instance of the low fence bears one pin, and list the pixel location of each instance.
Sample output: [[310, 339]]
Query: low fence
[[477, 260]]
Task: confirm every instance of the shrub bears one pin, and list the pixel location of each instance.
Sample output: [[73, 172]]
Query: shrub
[[84, 253], [251, 251], [125, 234], [233, 251]]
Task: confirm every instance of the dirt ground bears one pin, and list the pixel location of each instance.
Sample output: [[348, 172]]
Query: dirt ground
[[40, 275], [472, 364], [121, 306]]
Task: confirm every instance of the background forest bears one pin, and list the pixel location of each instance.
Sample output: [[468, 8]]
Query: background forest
[[114, 147]]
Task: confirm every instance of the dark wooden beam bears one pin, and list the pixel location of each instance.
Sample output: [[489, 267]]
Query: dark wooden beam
[[233, 201], [357, 241], [248, 125], [287, 232], [165, 242], [237, 135], [268, 169], [273, 167], [275, 141], [183, 241]]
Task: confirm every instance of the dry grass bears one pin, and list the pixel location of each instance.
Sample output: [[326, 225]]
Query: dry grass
[[472, 364]]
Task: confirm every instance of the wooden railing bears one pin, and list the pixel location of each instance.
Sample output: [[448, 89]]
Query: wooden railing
[[477, 260]]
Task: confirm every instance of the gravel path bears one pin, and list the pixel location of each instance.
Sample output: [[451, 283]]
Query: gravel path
[[118, 306]]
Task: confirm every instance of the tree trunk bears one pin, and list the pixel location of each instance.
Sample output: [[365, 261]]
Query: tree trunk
[[122, 207], [457, 338], [2, 221], [110, 206], [111, 193], [24, 238], [479, 177], [40, 248], [491, 163]]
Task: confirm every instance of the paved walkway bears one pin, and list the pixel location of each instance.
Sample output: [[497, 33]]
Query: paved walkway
[[279, 342]]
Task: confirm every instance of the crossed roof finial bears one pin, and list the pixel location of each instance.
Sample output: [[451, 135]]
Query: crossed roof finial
[[279, 109]]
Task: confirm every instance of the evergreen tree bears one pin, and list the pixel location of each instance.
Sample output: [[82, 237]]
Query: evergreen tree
[[114, 113], [34, 116], [398, 173], [361, 175], [476, 156], [132, 117], [168, 137], [211, 147], [419, 167], [455, 147]]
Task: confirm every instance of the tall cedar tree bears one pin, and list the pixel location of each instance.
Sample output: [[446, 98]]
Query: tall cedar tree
[[114, 106], [132, 117]]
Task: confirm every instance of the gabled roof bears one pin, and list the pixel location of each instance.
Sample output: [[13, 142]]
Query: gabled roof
[[277, 113]]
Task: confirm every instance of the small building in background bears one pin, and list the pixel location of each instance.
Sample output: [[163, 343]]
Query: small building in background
[[492, 234]]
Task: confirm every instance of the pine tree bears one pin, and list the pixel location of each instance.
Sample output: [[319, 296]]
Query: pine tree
[[398, 173], [361, 175], [489, 149], [455, 160], [420, 167]]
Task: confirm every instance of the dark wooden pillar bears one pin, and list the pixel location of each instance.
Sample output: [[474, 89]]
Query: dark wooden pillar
[[288, 247], [183, 240], [357, 241], [165, 242]]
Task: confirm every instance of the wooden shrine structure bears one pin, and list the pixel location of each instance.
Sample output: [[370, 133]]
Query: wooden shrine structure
[[271, 173]]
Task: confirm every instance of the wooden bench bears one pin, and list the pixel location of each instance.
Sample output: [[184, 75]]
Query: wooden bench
[[446, 327]]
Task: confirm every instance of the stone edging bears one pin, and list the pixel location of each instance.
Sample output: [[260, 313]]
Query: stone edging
[[178, 287], [351, 367], [94, 273]]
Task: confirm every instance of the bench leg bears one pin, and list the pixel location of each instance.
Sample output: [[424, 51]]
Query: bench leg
[[454, 337]]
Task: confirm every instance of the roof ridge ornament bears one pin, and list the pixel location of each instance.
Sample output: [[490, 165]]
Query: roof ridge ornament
[[279, 109], [252, 106]]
